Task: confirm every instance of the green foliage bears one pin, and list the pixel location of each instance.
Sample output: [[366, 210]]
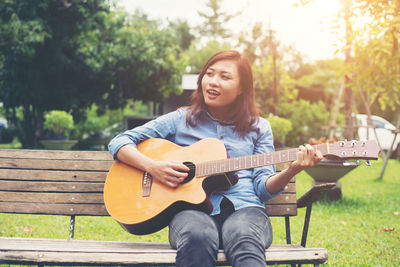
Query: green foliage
[[264, 79], [215, 21], [197, 57], [280, 127], [69, 55], [307, 119], [182, 30], [59, 122]]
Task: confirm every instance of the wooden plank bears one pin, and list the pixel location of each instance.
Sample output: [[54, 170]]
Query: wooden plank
[[54, 154], [17, 250], [55, 164], [51, 186], [39, 197], [284, 198], [290, 188], [49, 175], [53, 209], [281, 210]]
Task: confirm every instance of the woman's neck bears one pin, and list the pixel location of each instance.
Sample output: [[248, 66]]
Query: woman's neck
[[224, 114]]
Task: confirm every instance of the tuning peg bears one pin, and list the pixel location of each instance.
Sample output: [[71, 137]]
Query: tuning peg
[[368, 163]]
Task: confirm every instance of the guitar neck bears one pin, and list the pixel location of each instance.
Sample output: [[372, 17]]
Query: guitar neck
[[215, 167]]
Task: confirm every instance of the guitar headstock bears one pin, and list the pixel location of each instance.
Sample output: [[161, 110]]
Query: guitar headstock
[[366, 149]]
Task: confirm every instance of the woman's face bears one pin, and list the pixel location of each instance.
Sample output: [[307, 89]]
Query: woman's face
[[221, 87]]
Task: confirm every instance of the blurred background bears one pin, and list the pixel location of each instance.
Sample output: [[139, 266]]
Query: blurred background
[[83, 71]]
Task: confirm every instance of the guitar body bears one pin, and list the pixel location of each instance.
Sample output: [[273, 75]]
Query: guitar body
[[138, 214]]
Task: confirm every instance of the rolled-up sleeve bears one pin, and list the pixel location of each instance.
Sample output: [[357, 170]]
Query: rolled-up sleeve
[[161, 127], [264, 144]]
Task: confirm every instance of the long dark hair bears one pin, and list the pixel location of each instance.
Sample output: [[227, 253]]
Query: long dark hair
[[244, 109]]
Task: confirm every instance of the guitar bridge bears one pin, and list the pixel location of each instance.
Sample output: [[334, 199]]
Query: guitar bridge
[[147, 181]]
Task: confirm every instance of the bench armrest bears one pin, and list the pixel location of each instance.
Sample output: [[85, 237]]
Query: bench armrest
[[315, 193]]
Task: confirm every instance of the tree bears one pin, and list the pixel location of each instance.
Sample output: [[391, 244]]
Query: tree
[[377, 57], [262, 48], [215, 21], [182, 30], [197, 57], [68, 55]]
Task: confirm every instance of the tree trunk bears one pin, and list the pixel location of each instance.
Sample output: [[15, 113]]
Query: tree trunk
[[349, 132]]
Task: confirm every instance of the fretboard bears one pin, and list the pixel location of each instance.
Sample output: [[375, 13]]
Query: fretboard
[[214, 167]]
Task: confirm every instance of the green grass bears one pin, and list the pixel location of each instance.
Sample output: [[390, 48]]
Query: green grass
[[352, 229]]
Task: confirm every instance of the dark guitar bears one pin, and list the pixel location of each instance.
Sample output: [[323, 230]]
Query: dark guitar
[[142, 205]]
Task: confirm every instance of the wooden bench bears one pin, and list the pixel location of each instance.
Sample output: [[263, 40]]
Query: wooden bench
[[71, 183]]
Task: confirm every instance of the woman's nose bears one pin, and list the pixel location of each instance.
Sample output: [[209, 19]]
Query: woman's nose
[[214, 80]]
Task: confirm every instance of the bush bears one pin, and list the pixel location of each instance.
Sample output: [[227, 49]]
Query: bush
[[59, 122], [307, 120], [280, 128]]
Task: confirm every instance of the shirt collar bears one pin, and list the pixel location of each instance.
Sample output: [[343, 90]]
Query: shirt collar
[[231, 122]]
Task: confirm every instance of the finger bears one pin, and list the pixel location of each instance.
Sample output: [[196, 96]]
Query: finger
[[172, 184], [177, 174], [173, 181], [309, 149], [300, 157], [318, 154], [179, 166]]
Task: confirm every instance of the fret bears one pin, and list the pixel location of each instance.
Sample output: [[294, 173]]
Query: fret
[[198, 169], [237, 164], [243, 161], [248, 162], [254, 161], [274, 158], [283, 155], [261, 160], [268, 159]]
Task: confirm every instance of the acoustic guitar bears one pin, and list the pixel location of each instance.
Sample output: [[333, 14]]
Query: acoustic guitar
[[142, 205]]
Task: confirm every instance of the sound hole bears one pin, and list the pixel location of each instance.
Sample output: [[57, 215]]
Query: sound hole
[[191, 172]]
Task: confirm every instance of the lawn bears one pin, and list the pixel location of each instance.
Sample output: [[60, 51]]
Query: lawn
[[361, 229]]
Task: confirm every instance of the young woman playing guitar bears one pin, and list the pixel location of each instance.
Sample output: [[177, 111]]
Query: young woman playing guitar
[[222, 107]]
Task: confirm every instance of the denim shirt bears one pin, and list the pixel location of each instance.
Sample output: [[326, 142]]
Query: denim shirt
[[250, 189]]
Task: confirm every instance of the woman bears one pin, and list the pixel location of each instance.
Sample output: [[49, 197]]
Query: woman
[[222, 107]]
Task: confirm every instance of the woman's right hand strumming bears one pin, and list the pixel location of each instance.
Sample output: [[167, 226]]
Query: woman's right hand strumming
[[170, 173]]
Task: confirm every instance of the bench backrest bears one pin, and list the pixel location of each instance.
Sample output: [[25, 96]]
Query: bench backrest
[[71, 183]]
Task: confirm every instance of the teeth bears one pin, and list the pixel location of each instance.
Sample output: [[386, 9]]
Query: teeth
[[213, 92]]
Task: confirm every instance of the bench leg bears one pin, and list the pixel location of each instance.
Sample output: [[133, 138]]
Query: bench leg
[[72, 227], [287, 226], [306, 224]]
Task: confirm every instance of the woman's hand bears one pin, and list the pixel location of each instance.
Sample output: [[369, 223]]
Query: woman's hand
[[170, 173], [306, 157]]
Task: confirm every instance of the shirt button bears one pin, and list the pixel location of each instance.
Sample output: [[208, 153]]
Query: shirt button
[[221, 137]]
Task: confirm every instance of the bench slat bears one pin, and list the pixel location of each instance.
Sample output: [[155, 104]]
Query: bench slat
[[115, 253], [284, 198], [54, 154], [83, 198], [91, 198], [55, 164], [54, 209], [40, 175], [281, 210], [51, 186]]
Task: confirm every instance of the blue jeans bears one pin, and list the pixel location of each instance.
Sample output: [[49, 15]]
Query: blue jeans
[[244, 235]]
